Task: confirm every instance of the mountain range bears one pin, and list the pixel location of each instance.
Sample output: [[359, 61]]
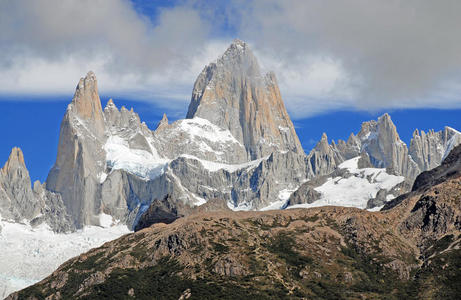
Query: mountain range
[[237, 144], [409, 250], [236, 149]]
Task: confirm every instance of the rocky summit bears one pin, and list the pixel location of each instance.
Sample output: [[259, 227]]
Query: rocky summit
[[37, 205], [233, 94], [409, 251]]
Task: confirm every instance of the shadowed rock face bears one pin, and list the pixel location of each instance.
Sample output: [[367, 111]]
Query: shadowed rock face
[[159, 211], [450, 168], [233, 94], [408, 252]]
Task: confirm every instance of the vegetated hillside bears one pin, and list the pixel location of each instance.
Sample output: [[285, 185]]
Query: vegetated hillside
[[410, 251]]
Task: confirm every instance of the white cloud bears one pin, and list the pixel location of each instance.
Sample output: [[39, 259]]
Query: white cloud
[[327, 55]]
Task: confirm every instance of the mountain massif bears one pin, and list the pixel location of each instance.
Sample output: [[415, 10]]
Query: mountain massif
[[409, 250], [237, 145]]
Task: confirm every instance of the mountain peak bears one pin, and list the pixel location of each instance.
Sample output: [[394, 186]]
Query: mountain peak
[[163, 123], [238, 60], [15, 159], [238, 46], [110, 105], [233, 94], [385, 118], [324, 136], [239, 42], [86, 103]]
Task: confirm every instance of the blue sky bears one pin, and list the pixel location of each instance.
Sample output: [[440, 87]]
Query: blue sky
[[337, 64]]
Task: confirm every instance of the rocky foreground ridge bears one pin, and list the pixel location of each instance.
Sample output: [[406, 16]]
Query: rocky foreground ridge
[[409, 251], [237, 146]]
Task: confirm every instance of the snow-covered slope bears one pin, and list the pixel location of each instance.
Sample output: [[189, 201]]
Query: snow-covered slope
[[142, 163], [200, 138], [356, 188], [30, 254]]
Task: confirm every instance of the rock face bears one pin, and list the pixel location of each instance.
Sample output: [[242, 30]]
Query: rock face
[[80, 154], [232, 93], [379, 146], [380, 142], [159, 211], [410, 251], [450, 168], [429, 149], [16, 196], [19, 202]]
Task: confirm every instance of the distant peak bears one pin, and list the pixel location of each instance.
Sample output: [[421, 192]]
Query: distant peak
[[15, 159], [90, 75], [385, 118], [110, 103], [236, 49], [163, 123], [323, 145], [447, 128], [16, 155], [239, 43], [87, 82], [324, 136]]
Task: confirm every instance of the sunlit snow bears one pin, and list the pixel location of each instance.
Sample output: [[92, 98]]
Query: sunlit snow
[[204, 129], [139, 162], [30, 254], [356, 190]]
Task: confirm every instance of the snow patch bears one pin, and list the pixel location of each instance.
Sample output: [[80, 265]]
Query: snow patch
[[102, 177], [139, 162], [202, 128], [244, 206], [282, 201], [377, 208], [356, 190], [214, 166], [106, 221]]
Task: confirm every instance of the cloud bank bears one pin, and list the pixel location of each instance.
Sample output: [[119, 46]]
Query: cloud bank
[[327, 55]]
